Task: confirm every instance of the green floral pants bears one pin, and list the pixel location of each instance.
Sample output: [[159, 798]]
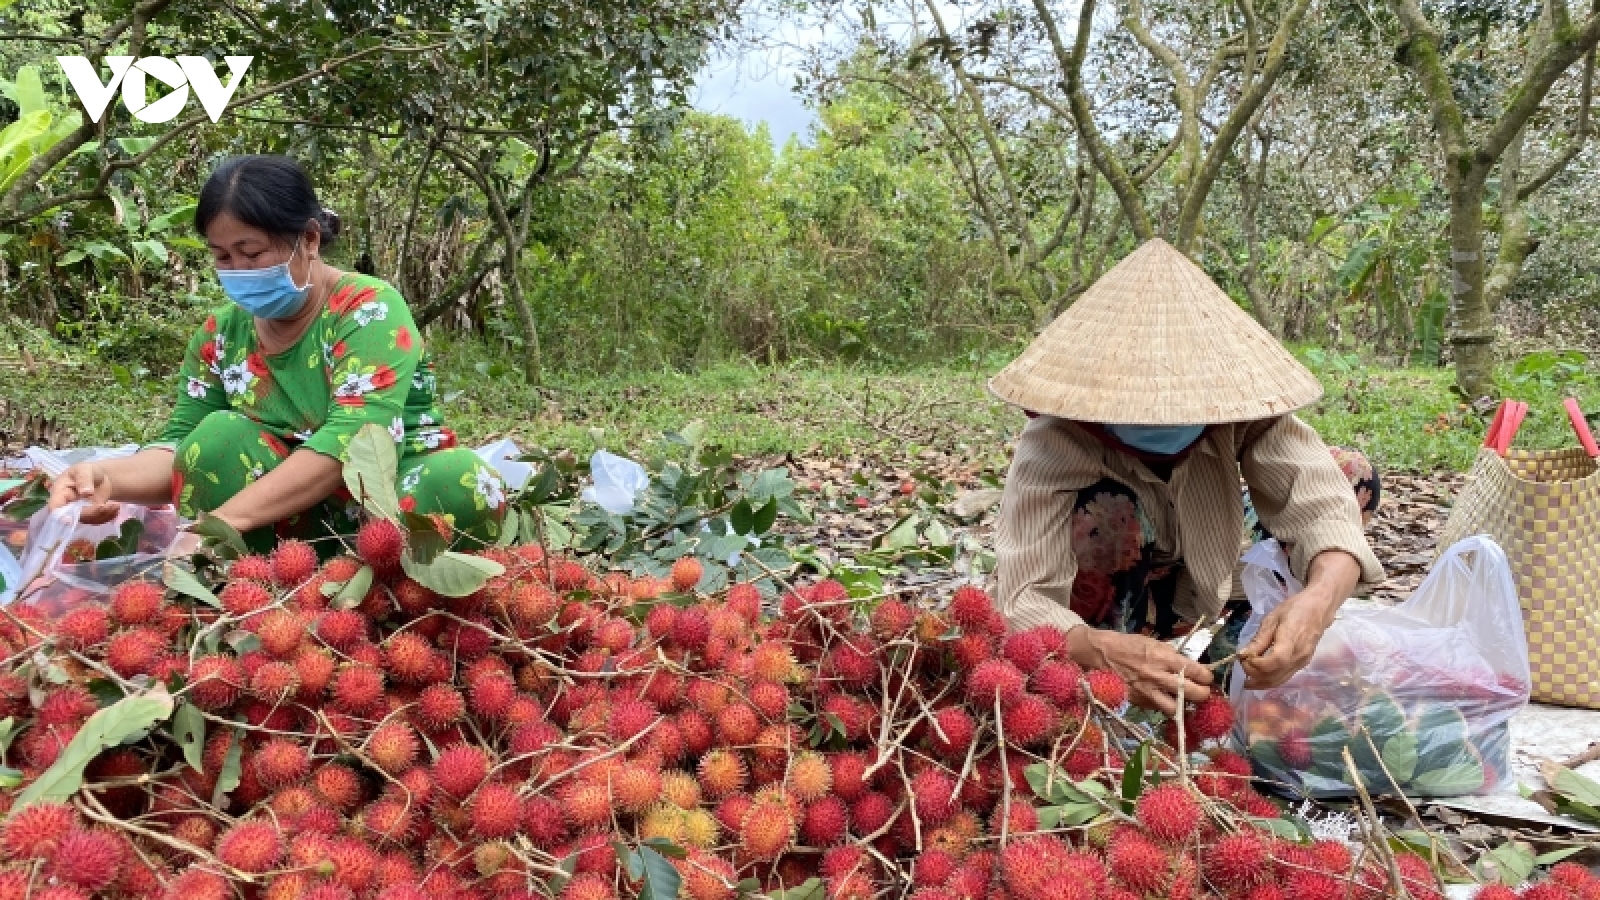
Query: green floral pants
[[228, 451]]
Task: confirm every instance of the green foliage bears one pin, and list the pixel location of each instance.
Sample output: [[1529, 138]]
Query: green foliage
[[126, 720]]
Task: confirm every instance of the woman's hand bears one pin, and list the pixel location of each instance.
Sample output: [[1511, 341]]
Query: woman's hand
[[1153, 669], [1287, 640], [1289, 634], [85, 481]]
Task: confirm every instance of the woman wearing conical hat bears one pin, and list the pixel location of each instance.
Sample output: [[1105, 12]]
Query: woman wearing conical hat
[[1148, 399]]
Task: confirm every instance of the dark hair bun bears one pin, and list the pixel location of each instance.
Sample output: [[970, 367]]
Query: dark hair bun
[[330, 224]]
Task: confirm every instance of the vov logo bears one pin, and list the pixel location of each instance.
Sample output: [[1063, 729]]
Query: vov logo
[[187, 72]]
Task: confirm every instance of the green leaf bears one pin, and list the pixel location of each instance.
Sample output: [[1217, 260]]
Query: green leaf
[[1572, 785], [901, 536], [1133, 777], [765, 517], [135, 146], [1400, 756], [29, 94], [189, 727], [217, 531], [183, 581], [1555, 856], [371, 469], [1282, 828], [352, 592], [1513, 862], [9, 777], [1069, 814], [155, 251], [423, 540], [180, 215], [742, 517], [232, 771], [665, 848], [1450, 781], [70, 257], [508, 528], [453, 574], [8, 733], [810, 889], [660, 879], [108, 727]]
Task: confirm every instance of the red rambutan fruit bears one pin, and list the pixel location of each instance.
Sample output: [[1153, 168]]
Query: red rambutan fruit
[[543, 822], [933, 868], [767, 829], [825, 823], [686, 573], [744, 600], [871, 812], [137, 602], [281, 762], [892, 619], [83, 627], [135, 651], [393, 746], [1021, 819], [439, 706], [738, 725], [972, 609], [380, 543], [342, 629], [635, 787], [660, 619], [1168, 813], [1108, 688], [243, 597], [810, 776], [198, 884], [588, 886], [357, 689], [215, 682], [770, 699], [65, 705], [35, 831], [934, 793], [722, 772], [1241, 860], [1024, 649], [253, 567], [1060, 682], [629, 718], [953, 732], [1310, 885], [995, 678], [354, 862], [854, 713], [459, 770], [853, 662], [410, 658], [1029, 720], [490, 697], [691, 629], [338, 785], [281, 632], [848, 771], [496, 811], [1210, 719], [730, 812], [292, 562], [706, 876], [251, 846]]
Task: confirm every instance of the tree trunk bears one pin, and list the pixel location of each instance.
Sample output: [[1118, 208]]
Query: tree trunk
[[1471, 325]]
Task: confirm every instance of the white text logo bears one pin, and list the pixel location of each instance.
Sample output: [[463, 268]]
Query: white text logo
[[188, 72]]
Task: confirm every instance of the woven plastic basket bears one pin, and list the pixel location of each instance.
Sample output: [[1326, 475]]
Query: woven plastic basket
[[1543, 508]]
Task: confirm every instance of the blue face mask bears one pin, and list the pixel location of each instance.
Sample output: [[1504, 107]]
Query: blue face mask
[[268, 293], [1162, 440]]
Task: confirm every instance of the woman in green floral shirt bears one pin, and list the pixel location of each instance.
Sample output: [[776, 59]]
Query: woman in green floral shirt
[[276, 384]]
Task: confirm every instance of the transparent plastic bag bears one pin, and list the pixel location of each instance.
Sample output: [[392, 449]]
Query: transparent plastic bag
[[617, 481], [1421, 694], [59, 569]]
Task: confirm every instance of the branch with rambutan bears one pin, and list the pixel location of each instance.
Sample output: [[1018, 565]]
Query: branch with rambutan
[[563, 733]]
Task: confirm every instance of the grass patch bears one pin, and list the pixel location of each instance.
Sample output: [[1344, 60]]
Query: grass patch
[[1406, 419]]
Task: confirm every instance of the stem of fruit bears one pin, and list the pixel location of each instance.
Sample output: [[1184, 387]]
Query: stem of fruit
[[1433, 839], [1374, 832], [1005, 774]]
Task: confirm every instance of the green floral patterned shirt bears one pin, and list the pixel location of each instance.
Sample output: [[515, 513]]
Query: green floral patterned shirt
[[360, 362]]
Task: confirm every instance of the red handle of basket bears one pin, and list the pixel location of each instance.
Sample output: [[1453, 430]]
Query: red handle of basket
[[1491, 437], [1581, 426], [1509, 428]]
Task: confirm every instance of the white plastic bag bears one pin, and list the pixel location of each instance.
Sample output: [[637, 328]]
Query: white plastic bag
[[1419, 694], [617, 481], [502, 456]]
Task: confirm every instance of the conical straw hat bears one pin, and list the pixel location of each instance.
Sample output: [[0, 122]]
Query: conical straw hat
[[1156, 342]]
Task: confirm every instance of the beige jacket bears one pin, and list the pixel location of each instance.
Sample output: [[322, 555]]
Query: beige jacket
[[1298, 490]]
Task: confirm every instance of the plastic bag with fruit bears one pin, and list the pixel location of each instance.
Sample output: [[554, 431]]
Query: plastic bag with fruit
[[67, 563], [1421, 694]]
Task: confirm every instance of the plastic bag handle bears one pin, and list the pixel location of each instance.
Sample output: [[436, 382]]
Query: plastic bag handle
[[1508, 421]]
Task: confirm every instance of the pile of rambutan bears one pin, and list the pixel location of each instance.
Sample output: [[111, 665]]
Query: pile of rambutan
[[520, 742]]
